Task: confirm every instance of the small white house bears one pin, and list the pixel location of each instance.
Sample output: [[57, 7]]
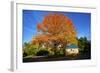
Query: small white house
[[72, 50]]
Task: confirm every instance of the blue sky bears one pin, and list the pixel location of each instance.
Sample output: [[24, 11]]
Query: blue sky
[[81, 21]]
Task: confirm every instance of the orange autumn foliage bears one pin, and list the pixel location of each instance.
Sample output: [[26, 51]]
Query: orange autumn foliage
[[57, 27]]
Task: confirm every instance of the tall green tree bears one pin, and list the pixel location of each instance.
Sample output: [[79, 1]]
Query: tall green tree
[[84, 44]]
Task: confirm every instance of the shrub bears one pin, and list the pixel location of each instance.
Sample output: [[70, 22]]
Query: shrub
[[43, 52], [24, 54], [31, 50], [59, 53]]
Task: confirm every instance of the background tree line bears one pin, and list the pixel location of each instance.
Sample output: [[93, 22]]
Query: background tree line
[[84, 45]]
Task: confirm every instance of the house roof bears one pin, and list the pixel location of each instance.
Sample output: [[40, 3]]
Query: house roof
[[72, 46]]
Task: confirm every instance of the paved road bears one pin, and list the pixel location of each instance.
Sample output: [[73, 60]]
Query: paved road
[[41, 59]]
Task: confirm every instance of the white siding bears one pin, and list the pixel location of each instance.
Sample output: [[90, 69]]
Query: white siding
[[72, 51]]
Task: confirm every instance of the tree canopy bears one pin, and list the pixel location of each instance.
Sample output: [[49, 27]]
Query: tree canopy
[[57, 27]]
